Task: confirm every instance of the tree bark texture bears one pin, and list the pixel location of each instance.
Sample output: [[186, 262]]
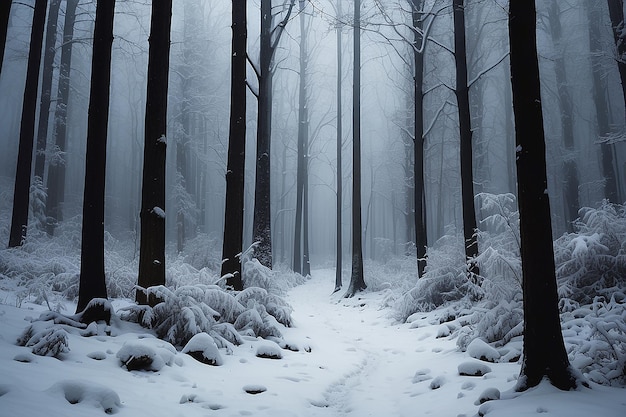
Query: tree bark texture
[[92, 279], [19, 220], [544, 350], [235, 172], [152, 241], [465, 136]]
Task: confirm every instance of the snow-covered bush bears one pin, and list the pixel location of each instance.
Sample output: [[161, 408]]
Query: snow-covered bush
[[192, 309], [592, 261], [595, 337], [45, 340]]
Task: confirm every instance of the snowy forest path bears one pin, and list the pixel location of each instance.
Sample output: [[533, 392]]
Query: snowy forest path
[[372, 357]]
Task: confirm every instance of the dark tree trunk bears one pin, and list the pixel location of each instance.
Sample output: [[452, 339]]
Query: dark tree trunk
[[261, 227], [46, 88], [339, 248], [357, 281], [152, 244], [5, 11], [19, 221], [92, 279], [544, 351], [570, 167], [465, 136], [616, 12], [262, 234], [300, 257], [235, 171], [421, 237], [601, 102], [56, 170]]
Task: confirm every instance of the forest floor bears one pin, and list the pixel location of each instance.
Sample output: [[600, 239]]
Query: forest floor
[[348, 358]]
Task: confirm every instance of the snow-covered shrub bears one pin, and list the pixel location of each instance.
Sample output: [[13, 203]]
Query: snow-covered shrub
[[182, 314], [45, 340], [273, 304], [499, 241], [595, 337], [592, 261], [444, 281]]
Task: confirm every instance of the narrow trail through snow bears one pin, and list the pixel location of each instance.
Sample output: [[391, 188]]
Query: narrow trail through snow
[[372, 358]]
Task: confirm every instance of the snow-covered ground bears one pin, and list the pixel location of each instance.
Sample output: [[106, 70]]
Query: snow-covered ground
[[346, 357]]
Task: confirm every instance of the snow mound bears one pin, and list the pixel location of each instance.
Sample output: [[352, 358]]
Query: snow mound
[[479, 349], [473, 368], [269, 350], [146, 354], [489, 394], [202, 348], [89, 394]]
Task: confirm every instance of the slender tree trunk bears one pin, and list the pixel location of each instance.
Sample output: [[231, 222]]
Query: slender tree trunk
[[261, 224], [306, 260], [357, 281], [235, 172], [544, 351], [601, 103], [570, 167], [262, 234], [421, 237], [465, 134], [616, 12], [92, 279], [46, 88], [56, 170], [152, 245], [19, 221], [301, 230], [5, 11], [339, 243]]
